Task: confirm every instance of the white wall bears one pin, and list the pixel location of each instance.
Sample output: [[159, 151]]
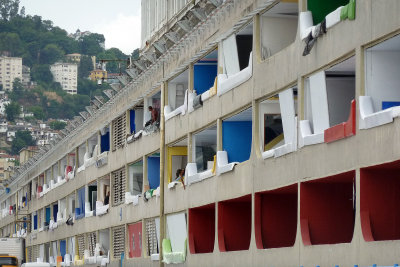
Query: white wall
[[135, 175], [382, 76], [139, 119], [104, 239], [276, 34], [340, 91], [267, 107]]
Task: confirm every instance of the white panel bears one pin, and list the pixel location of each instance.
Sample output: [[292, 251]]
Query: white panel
[[177, 231], [54, 245], [231, 59], [288, 115], [319, 102]]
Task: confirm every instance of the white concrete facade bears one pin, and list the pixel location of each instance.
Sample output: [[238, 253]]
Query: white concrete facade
[[10, 69], [67, 75]]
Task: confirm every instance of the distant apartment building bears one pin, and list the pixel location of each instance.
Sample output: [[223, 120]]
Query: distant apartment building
[[10, 68], [67, 75], [26, 153], [7, 163], [26, 75], [75, 57]]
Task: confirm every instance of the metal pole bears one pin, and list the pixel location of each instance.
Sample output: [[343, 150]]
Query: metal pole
[[162, 163]]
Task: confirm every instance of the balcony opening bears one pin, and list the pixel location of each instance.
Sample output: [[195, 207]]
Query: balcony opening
[[381, 102], [177, 95], [135, 240], [174, 245], [204, 149], [105, 139], [104, 241], [151, 117], [136, 124], [71, 206], [234, 224], [153, 171], [177, 161], [236, 140], [202, 229], [379, 202], [93, 148], [81, 156], [320, 8], [55, 211], [63, 248], [80, 203], [91, 199], [329, 101], [49, 178], [278, 124], [103, 195], [205, 73], [47, 216], [327, 209], [62, 212], [46, 252], [64, 169], [135, 178], [71, 159], [55, 173], [276, 217], [278, 27], [71, 247], [237, 55]]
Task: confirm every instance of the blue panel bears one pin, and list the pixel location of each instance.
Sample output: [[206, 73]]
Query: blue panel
[[132, 120], [48, 214], [55, 210], [204, 76], [63, 248], [236, 140], [35, 222], [81, 204], [153, 171], [388, 104], [105, 142]]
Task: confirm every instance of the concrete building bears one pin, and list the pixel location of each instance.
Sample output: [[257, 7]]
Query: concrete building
[[98, 74], [26, 153], [26, 76], [75, 57], [67, 75], [10, 69], [7, 163], [284, 115]]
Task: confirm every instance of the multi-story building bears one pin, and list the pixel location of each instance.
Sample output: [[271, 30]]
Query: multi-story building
[[67, 75], [10, 69], [281, 119], [26, 153], [26, 76], [98, 74]]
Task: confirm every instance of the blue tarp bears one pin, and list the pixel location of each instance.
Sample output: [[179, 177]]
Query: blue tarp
[[34, 222], [80, 210], [105, 142], [63, 248], [55, 211], [236, 140], [204, 76], [132, 120], [153, 171]]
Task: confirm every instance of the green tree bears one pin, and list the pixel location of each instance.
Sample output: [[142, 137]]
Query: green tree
[[85, 67], [9, 9], [114, 53], [50, 54], [18, 90], [12, 111], [38, 112], [57, 125], [92, 44], [22, 139], [41, 73], [11, 42]]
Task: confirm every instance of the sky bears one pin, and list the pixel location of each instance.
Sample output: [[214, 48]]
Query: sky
[[117, 20]]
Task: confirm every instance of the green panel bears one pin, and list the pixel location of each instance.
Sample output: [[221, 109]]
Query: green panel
[[321, 8]]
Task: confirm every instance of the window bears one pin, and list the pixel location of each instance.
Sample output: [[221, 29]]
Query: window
[[119, 131], [118, 179]]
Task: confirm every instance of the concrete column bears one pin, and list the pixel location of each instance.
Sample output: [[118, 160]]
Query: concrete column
[[189, 148], [220, 59], [256, 128], [257, 39], [191, 78], [162, 164], [145, 179], [219, 134]]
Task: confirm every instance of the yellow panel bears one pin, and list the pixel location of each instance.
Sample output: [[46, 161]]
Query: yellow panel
[[174, 151], [290, 1]]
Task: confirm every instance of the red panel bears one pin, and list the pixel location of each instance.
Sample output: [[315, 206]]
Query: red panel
[[234, 224], [202, 229], [276, 217], [344, 129], [135, 240], [379, 200], [327, 209]]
